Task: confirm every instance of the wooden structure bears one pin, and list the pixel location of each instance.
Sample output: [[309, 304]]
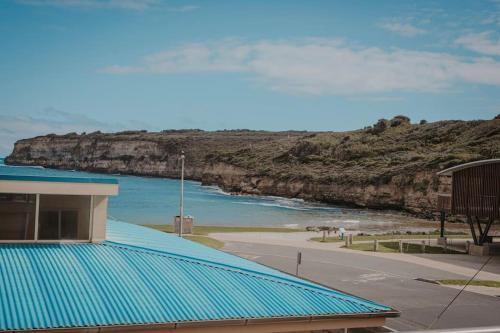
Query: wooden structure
[[472, 190]]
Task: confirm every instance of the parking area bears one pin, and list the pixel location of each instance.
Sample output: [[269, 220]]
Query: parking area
[[391, 282]]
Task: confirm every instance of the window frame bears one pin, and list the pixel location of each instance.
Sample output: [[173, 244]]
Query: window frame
[[34, 227], [54, 241]]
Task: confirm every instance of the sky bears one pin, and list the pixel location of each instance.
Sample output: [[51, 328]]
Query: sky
[[111, 65]]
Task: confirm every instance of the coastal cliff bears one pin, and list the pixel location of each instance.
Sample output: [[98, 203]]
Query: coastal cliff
[[391, 164]]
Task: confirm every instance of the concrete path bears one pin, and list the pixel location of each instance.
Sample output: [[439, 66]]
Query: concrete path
[[301, 240], [490, 291]]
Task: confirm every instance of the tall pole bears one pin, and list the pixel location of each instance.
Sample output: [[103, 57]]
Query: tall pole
[[182, 195]]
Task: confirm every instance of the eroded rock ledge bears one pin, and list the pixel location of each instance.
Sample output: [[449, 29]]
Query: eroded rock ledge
[[391, 164]]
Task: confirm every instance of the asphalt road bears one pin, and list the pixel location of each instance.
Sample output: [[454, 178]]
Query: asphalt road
[[389, 282]]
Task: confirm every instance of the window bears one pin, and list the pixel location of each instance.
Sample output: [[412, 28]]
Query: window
[[17, 216], [64, 217], [61, 224], [60, 217]]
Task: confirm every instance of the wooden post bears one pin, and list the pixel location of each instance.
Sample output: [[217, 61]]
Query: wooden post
[[472, 230], [346, 241], [423, 246], [442, 218], [350, 239], [486, 230], [299, 261], [400, 246], [480, 230], [375, 245]]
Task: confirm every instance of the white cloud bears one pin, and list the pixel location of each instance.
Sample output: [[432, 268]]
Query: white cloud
[[13, 128], [322, 67], [492, 15], [378, 99], [480, 43], [403, 29], [137, 5], [183, 9], [94, 4]]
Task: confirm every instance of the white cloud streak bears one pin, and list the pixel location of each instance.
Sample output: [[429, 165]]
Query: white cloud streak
[[183, 9], [480, 42], [403, 29], [94, 4], [322, 67], [135, 5], [13, 128]]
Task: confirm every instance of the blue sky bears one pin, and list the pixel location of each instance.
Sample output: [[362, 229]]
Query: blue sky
[[83, 65]]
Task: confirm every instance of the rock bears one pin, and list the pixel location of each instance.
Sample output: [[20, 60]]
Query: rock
[[393, 169]]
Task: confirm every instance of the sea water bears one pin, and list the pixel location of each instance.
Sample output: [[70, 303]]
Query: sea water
[[144, 200]]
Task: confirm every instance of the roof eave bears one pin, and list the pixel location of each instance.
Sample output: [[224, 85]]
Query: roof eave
[[450, 171], [230, 322]]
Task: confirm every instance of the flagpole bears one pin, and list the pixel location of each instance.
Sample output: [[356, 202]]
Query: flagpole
[[182, 195]]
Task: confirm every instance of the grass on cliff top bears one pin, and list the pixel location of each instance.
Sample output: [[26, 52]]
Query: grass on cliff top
[[393, 247], [207, 229], [482, 283], [335, 239]]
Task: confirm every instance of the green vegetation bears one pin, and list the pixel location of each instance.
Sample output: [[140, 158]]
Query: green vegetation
[[200, 232], [211, 242], [395, 152], [207, 229], [483, 283], [393, 247]]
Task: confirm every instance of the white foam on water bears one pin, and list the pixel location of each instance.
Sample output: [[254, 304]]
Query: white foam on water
[[22, 166], [341, 221], [216, 190], [351, 221], [266, 204]]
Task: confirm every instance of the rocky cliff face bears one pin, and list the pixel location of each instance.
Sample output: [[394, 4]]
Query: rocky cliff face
[[389, 165]]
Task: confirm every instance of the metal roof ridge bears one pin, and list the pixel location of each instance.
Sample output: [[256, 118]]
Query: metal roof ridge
[[269, 277]]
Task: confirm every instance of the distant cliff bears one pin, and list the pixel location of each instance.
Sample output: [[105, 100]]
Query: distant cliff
[[391, 164]]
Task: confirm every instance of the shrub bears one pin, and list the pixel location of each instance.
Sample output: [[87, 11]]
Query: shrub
[[399, 120]]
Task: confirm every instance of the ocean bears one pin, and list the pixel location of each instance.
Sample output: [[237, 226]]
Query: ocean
[[147, 200]]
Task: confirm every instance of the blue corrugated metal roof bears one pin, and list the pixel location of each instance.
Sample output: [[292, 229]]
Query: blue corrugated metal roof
[[35, 178], [158, 279], [147, 238]]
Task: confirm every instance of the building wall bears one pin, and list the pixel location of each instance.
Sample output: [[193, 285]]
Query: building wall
[[56, 196], [40, 187], [99, 218]]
